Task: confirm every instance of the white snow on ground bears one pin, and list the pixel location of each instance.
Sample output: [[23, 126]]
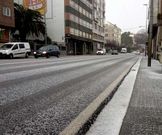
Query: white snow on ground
[[154, 72], [110, 119]]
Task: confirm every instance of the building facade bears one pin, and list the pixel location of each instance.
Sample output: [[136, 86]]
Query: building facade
[[78, 26], [159, 32], [6, 19], [112, 34], [98, 24], [156, 25]]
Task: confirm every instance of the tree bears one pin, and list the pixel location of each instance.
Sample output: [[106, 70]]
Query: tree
[[141, 37], [126, 39], [27, 22]]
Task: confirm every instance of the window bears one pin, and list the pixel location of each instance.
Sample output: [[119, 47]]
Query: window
[[106, 35], [81, 33], [71, 30], [80, 9], [21, 46], [6, 11], [15, 47]]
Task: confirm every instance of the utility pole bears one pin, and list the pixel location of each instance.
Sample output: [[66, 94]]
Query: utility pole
[[150, 34], [45, 36], [146, 5]]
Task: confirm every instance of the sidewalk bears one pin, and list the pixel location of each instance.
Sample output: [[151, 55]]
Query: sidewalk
[[143, 114]]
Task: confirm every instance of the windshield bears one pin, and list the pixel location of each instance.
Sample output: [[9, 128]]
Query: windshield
[[44, 48], [6, 46]]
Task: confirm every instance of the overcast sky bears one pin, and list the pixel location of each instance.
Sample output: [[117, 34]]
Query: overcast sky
[[127, 14]]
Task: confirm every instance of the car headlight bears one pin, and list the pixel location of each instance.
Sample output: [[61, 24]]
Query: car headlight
[[35, 52], [7, 51], [44, 52]]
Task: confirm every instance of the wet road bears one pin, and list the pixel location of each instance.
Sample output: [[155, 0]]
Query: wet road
[[42, 96]]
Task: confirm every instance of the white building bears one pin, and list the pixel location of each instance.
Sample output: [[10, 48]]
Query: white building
[[55, 21], [98, 23], [112, 34]]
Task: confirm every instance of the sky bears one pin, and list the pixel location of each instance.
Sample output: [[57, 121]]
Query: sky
[[129, 15]]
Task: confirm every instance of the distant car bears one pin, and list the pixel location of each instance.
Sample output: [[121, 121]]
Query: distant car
[[101, 51], [124, 50], [114, 52], [136, 52], [47, 51], [15, 49]]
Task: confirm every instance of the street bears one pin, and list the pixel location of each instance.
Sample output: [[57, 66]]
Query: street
[[42, 96]]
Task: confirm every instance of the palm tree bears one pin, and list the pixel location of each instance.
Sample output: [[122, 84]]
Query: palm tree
[[27, 22]]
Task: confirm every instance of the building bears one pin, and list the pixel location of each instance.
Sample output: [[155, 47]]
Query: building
[[6, 19], [78, 26], [98, 24], [155, 20], [159, 31], [112, 34]]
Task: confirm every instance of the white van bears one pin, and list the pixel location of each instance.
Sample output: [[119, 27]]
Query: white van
[[101, 51], [124, 50], [15, 49]]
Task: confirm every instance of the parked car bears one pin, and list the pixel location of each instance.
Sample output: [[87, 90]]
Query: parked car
[[47, 51], [114, 52], [15, 49], [136, 52], [101, 51]]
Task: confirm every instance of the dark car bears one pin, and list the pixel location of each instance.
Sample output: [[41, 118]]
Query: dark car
[[114, 52], [47, 51]]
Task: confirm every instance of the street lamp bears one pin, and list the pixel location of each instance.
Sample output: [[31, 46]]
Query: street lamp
[[146, 5], [150, 33]]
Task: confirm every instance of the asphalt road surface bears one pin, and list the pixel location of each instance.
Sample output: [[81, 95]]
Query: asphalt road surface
[[42, 96]]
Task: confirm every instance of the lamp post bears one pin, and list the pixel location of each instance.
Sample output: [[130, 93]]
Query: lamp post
[[146, 5], [150, 34]]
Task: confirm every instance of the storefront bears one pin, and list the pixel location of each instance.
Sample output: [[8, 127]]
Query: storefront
[[78, 46]]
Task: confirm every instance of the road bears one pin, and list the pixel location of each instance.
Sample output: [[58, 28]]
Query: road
[[42, 96]]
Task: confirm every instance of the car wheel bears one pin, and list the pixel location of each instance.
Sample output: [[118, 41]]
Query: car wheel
[[36, 56], [58, 55], [26, 55], [11, 56], [47, 56]]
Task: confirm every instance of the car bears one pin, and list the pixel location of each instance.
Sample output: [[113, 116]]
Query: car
[[101, 51], [124, 50], [47, 51], [136, 52], [114, 52], [15, 49]]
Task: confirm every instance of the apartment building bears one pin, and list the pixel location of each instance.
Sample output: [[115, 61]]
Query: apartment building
[[156, 9], [78, 26], [112, 34], [98, 24], [6, 19]]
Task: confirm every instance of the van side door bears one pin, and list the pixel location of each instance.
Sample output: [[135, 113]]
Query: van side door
[[22, 51], [15, 50]]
